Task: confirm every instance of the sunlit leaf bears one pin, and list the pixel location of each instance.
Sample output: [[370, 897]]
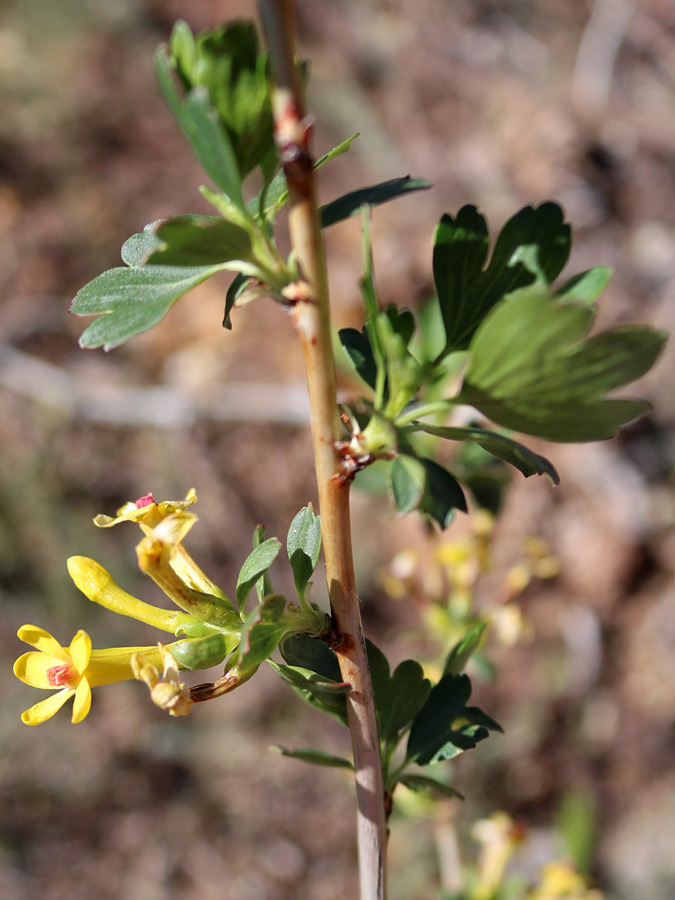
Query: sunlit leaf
[[303, 546], [255, 565], [202, 127], [131, 300], [199, 241], [533, 369]]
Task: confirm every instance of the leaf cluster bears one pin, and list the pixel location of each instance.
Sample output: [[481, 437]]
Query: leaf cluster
[[252, 635], [217, 86], [512, 345], [497, 335], [435, 719]]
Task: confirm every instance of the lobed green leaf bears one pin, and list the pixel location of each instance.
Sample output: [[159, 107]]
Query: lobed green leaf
[[532, 370], [536, 238], [398, 696], [446, 726], [199, 241], [132, 300]]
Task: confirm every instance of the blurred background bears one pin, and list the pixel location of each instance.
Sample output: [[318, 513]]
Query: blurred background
[[497, 104]]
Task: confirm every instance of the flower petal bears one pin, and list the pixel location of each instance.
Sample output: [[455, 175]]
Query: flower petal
[[42, 641], [82, 702], [173, 528], [147, 516], [80, 651], [31, 668], [45, 709]]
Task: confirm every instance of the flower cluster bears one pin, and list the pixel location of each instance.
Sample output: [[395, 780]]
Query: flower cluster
[[212, 628], [205, 616]]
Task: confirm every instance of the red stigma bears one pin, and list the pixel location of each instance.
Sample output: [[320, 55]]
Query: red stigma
[[148, 500], [58, 676]]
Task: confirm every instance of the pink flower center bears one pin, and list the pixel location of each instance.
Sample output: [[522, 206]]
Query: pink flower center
[[58, 676], [148, 500]]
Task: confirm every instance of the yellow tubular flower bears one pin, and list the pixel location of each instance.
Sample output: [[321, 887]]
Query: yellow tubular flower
[[73, 672], [97, 584], [149, 514], [146, 512]]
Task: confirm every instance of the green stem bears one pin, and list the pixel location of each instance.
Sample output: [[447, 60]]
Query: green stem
[[426, 409], [311, 317]]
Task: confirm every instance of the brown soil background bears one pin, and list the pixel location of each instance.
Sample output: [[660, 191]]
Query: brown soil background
[[496, 103]]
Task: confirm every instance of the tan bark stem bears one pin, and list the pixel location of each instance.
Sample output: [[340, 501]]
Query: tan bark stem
[[311, 317]]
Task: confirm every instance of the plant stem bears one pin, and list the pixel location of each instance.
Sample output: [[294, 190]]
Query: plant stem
[[311, 317]]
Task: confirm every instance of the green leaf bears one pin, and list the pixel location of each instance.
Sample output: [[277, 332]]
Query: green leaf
[[238, 284], [357, 347], [531, 369], [255, 565], [419, 483], [306, 652], [445, 726], [442, 494], [263, 585], [407, 478], [351, 204], [316, 757], [227, 63], [403, 373], [585, 287], [402, 321], [322, 693], [466, 290], [398, 696], [424, 784], [199, 241], [462, 652], [137, 248], [132, 300], [303, 546], [202, 127], [263, 628], [527, 461]]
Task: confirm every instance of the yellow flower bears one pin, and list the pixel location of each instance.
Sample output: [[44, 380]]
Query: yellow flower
[[560, 881], [73, 672], [166, 691], [97, 584], [146, 511], [167, 522]]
